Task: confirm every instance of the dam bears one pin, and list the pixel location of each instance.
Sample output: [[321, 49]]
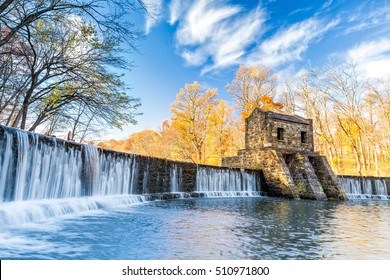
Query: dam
[[63, 200], [48, 177]]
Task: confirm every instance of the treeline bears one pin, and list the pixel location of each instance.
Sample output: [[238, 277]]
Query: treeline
[[57, 65], [351, 116], [202, 128]]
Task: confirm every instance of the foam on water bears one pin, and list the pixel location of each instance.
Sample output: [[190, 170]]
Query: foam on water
[[21, 212]]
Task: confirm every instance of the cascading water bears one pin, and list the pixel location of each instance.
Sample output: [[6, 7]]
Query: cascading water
[[109, 175], [226, 182], [381, 187], [363, 188], [42, 177], [44, 170], [175, 179]]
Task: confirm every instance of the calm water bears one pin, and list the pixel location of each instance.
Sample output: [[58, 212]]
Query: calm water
[[210, 228]]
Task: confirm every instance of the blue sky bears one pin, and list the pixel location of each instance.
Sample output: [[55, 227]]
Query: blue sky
[[207, 40]]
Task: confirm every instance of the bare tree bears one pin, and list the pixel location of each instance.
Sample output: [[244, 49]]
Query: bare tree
[[65, 66], [111, 16]]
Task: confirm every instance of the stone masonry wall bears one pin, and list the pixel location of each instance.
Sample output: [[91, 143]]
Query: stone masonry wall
[[292, 136], [327, 178], [256, 132], [261, 132], [276, 173], [304, 177]]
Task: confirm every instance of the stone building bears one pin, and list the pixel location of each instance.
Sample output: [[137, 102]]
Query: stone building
[[282, 147]]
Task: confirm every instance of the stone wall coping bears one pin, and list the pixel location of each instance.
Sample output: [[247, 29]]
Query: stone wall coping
[[114, 152], [365, 177]]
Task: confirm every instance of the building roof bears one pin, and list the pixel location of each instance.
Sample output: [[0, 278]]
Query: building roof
[[290, 118]]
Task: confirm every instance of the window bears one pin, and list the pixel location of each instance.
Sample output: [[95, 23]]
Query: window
[[280, 133], [303, 137]]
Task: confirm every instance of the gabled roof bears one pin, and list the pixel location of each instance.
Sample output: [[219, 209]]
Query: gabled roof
[[290, 118], [281, 117]]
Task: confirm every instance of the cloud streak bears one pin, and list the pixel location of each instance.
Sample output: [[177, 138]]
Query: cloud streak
[[202, 20], [214, 34], [154, 8], [175, 11], [365, 19], [372, 57], [288, 44]]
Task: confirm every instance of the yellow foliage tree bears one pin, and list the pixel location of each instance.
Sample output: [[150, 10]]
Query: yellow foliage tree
[[190, 113], [252, 87]]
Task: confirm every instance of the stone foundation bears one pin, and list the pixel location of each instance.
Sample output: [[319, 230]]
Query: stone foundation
[[291, 175], [329, 181], [283, 147]]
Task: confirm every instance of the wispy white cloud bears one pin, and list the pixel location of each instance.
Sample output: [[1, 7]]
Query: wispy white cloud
[[365, 19], [196, 57], [231, 41], [372, 57], [154, 8], [201, 21], [327, 4], [288, 44], [215, 34], [297, 11], [175, 10]]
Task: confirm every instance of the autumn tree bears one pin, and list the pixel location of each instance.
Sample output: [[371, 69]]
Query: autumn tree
[[252, 87], [190, 113], [223, 135], [350, 114], [147, 143]]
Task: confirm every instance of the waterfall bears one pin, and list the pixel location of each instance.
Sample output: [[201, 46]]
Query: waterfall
[[364, 188], [108, 174], [6, 160], [381, 187], [43, 177], [175, 179], [44, 170], [226, 182]]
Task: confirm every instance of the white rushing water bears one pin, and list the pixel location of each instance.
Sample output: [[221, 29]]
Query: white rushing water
[[20, 212], [109, 175], [362, 188], [43, 177], [176, 179], [226, 182], [43, 170]]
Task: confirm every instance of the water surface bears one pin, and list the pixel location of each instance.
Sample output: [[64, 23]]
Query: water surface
[[209, 228]]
